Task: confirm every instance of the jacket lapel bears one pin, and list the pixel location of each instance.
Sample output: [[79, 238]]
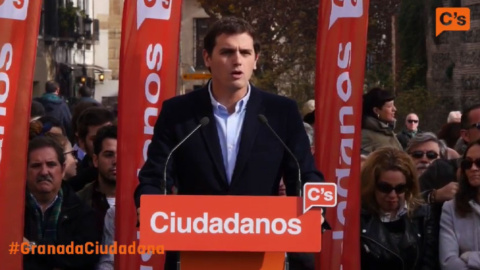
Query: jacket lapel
[[210, 133], [250, 127]]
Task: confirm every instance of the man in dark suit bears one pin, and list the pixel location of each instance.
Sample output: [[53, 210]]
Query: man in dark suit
[[235, 153]]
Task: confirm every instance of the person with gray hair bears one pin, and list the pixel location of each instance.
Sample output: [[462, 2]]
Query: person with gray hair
[[425, 148]]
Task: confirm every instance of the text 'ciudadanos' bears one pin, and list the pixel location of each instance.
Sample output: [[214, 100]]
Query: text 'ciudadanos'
[[237, 223]]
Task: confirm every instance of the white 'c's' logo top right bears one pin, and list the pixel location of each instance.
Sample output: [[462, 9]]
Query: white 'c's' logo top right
[[345, 9], [14, 9], [153, 9]]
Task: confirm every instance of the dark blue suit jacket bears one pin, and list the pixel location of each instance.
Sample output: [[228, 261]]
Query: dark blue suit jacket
[[196, 168]]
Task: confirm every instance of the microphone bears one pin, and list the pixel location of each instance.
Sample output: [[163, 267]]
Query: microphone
[[203, 122], [264, 120]]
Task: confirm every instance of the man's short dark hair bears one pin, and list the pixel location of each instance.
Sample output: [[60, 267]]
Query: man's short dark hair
[[93, 116], [229, 26], [465, 119], [51, 87], [45, 142], [37, 109], [85, 91], [106, 132], [79, 109]]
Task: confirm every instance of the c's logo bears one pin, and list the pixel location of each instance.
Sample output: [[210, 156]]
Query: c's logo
[[153, 9], [18, 3], [14, 9], [149, 3], [452, 19], [319, 195], [345, 9]]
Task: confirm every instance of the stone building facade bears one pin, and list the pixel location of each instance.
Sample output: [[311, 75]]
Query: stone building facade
[[453, 75]]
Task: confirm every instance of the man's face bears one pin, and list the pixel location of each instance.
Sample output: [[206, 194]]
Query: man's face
[[70, 161], [106, 161], [87, 144], [424, 155], [411, 122], [472, 133], [44, 171], [232, 62]]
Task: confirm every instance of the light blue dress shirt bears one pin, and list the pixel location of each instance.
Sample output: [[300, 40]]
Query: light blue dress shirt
[[229, 128]]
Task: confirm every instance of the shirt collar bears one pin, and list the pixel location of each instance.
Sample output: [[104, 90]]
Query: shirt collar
[[388, 217], [38, 205], [241, 104]]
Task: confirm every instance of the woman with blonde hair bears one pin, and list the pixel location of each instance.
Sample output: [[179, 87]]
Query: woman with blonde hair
[[396, 228]]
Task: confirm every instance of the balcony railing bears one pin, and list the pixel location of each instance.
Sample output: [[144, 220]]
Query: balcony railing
[[68, 23]]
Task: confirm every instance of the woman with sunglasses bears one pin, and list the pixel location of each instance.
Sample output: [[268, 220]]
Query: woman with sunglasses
[[396, 228], [378, 121], [460, 220]]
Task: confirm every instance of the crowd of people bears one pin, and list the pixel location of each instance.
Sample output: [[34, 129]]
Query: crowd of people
[[419, 190], [71, 179]]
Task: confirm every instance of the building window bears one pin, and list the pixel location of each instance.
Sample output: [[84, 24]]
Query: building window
[[201, 27]]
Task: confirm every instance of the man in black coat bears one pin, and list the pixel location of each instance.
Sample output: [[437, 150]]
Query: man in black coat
[[54, 215], [235, 153], [410, 130]]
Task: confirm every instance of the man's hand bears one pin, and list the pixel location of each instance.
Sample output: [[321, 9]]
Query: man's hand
[[447, 192], [464, 256]]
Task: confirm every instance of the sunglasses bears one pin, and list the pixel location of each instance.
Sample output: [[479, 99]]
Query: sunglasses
[[476, 125], [412, 121], [387, 189], [467, 164], [419, 154]]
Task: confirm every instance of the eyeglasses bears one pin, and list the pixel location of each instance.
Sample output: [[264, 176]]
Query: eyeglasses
[[419, 154], [73, 152], [476, 125], [467, 164], [386, 188], [412, 121]]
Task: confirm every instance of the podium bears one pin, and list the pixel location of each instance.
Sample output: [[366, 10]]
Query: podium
[[235, 232]]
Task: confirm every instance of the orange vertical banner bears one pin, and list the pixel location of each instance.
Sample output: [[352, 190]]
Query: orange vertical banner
[[19, 24], [148, 76], [341, 49]]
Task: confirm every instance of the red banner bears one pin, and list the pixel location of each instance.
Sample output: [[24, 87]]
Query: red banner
[[341, 48], [148, 76], [19, 24]]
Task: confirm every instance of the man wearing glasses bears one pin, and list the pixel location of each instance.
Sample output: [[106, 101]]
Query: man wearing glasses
[[424, 149], [411, 129], [438, 183], [470, 130]]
